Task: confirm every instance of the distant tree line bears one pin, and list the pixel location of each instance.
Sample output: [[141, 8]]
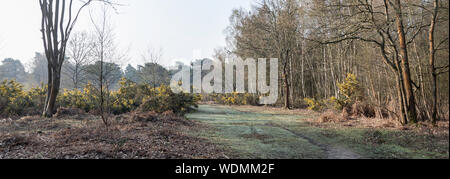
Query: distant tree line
[[13, 69]]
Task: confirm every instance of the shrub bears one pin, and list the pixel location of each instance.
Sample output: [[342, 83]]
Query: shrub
[[86, 100], [163, 99], [37, 96], [314, 104], [124, 100], [13, 99], [130, 96], [235, 98], [337, 103], [350, 92], [73, 99]]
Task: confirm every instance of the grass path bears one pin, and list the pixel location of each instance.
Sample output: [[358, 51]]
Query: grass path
[[258, 133], [264, 135]]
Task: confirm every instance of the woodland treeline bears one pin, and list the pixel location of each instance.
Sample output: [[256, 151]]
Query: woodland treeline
[[397, 49]]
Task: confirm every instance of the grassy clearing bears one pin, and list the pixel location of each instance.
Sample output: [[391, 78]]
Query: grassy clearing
[[257, 132]]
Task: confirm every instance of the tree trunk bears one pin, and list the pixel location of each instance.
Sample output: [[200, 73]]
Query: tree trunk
[[303, 74], [286, 81], [53, 91], [401, 101], [409, 93], [432, 63]]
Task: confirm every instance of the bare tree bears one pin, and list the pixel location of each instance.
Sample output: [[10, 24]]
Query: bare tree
[[80, 51], [406, 74], [434, 71], [105, 53], [56, 31]]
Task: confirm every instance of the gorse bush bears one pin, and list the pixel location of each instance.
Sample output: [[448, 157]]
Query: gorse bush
[[234, 98], [38, 95], [130, 96], [86, 100], [163, 99], [125, 99], [13, 99], [349, 92], [315, 105]]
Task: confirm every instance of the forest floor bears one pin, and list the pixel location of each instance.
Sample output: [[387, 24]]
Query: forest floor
[[250, 132], [214, 131]]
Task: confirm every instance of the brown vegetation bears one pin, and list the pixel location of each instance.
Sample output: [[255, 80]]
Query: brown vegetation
[[129, 136]]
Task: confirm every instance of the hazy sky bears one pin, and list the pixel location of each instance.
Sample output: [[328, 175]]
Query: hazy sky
[[180, 27]]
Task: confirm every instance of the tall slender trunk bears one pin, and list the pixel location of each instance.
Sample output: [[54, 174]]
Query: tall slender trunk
[[287, 90], [378, 112], [421, 75], [102, 100], [76, 77], [422, 90], [291, 79], [406, 75], [286, 80], [325, 82], [333, 79], [303, 74], [432, 62]]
